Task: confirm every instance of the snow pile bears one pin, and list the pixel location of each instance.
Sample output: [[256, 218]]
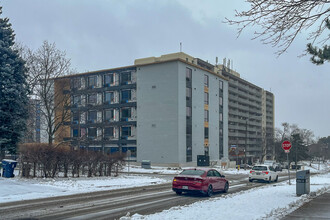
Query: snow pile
[[267, 202], [153, 170]]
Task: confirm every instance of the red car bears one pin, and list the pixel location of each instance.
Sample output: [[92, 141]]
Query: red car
[[203, 180]]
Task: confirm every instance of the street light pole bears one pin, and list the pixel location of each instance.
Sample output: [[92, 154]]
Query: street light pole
[[245, 146]]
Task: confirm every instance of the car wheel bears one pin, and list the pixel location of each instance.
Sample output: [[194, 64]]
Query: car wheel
[[250, 180], [209, 191], [178, 192], [276, 179], [225, 190], [270, 179]]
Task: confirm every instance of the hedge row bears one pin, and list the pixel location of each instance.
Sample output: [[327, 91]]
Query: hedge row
[[48, 161]]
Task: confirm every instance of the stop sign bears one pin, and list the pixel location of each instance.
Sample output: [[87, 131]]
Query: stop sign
[[286, 145]]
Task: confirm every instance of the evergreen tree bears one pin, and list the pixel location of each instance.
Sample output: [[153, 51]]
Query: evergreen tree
[[320, 55], [299, 149], [13, 90]]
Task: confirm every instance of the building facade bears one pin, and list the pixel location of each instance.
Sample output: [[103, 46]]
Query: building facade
[[168, 110], [251, 120], [182, 110]]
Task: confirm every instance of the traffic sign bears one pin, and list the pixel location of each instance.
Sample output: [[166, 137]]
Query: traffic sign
[[286, 145]]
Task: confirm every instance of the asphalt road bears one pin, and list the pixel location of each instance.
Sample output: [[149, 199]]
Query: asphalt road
[[114, 203]]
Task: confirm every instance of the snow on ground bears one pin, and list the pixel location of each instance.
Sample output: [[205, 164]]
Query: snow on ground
[[271, 201], [153, 170], [268, 202], [15, 189], [172, 170]]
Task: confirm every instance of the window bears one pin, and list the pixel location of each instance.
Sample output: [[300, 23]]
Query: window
[[76, 83], [83, 132], [92, 132], [75, 133], [76, 99], [206, 98], [188, 111], [126, 113], [216, 173], [221, 117], [206, 133], [132, 149], [206, 115], [125, 131], [125, 95], [125, 77], [221, 85], [192, 172], [109, 114], [188, 130], [220, 101], [92, 81], [92, 99], [188, 92], [206, 80], [108, 132], [75, 117], [92, 116], [210, 173], [108, 79], [188, 73], [108, 97]]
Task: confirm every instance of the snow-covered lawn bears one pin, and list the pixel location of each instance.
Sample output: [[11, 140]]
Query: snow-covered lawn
[[14, 189]]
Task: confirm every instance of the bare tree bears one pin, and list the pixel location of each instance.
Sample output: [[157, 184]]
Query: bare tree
[[44, 65], [292, 132], [281, 21]]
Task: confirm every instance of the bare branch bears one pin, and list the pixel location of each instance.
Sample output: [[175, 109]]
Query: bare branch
[[280, 21]]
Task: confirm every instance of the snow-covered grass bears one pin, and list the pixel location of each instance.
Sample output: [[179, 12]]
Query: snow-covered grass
[[267, 202], [15, 189]]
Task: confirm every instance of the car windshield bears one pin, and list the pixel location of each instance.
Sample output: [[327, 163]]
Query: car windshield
[[259, 168], [193, 172]]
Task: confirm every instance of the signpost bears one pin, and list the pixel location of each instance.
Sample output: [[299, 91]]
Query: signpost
[[286, 145], [128, 154]]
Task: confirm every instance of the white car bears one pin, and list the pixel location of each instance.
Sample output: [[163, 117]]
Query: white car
[[263, 172]]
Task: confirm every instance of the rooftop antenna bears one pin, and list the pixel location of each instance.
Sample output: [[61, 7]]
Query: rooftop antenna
[[180, 46], [216, 60]]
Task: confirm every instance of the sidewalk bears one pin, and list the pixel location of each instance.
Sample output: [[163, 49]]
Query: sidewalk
[[318, 208]]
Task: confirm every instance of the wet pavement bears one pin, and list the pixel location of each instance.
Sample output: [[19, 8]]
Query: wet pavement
[[318, 208]]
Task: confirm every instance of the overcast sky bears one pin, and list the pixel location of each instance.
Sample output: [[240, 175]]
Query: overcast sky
[[102, 34]]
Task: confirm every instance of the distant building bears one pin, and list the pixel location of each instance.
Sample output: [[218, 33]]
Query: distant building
[[251, 119], [166, 109]]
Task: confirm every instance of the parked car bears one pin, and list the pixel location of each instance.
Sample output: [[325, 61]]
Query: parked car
[[293, 166], [270, 163], [285, 165], [278, 167], [263, 172], [244, 166], [200, 180]]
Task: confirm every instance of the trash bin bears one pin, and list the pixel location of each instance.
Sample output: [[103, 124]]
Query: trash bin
[[203, 160], [8, 167], [302, 182], [146, 164]]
